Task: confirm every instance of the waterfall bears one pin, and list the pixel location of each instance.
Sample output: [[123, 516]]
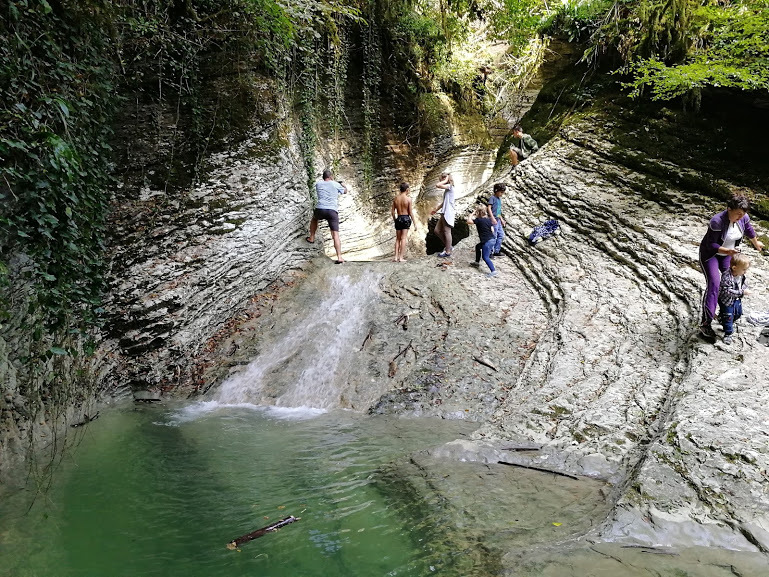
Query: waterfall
[[306, 361]]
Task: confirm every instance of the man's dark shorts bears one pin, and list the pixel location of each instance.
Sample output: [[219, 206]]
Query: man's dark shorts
[[329, 215], [403, 222]]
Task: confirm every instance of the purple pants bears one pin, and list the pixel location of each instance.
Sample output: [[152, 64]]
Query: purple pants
[[712, 269]]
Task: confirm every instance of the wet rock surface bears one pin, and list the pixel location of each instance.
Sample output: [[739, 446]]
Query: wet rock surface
[[583, 352], [621, 379]]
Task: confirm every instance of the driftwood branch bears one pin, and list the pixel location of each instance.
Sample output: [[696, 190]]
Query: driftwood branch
[[485, 363], [366, 340], [538, 469], [403, 352], [235, 543], [393, 368]]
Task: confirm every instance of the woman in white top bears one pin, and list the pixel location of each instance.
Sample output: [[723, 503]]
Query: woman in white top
[[446, 208], [720, 243]]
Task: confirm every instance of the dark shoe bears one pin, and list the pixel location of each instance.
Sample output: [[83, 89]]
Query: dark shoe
[[707, 333], [475, 264]]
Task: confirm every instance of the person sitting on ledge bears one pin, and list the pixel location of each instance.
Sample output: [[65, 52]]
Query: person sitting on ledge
[[526, 145]]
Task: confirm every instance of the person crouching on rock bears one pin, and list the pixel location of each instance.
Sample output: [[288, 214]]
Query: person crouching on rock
[[403, 216], [526, 145], [446, 208], [730, 293], [484, 223], [720, 243], [327, 208]]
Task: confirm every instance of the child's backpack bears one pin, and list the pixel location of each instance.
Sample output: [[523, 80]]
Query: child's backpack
[[543, 231]]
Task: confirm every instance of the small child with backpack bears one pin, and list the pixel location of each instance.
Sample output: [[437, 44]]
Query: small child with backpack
[[733, 287]]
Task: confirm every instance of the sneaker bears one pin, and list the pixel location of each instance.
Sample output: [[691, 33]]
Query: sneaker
[[728, 339], [475, 264], [707, 332], [444, 254], [492, 274]]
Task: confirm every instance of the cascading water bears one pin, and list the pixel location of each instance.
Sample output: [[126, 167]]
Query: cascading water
[[306, 363]]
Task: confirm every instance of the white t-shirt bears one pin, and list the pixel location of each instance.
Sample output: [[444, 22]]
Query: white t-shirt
[[448, 205], [733, 234]]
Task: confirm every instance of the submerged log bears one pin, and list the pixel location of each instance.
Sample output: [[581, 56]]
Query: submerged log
[[538, 469], [235, 543]]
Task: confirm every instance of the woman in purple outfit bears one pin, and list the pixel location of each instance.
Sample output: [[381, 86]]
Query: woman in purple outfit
[[721, 241]]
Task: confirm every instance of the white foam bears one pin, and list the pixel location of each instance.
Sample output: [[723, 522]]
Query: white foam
[[307, 364], [293, 413], [199, 410]]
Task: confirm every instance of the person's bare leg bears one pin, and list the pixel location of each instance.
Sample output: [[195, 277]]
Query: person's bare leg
[[404, 244], [337, 245], [439, 231], [313, 229], [445, 235], [396, 257], [513, 158]]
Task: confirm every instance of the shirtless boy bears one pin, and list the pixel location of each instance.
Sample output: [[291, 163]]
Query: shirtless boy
[[403, 217]]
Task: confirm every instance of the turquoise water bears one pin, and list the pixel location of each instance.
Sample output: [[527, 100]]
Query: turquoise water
[[161, 491], [156, 491]]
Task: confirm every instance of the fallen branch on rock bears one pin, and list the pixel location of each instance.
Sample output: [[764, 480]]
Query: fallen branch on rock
[[393, 365], [652, 550], [532, 448], [485, 363], [366, 340], [235, 543], [404, 318], [403, 352], [538, 469]]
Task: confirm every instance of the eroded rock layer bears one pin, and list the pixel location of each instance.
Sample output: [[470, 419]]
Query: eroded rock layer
[[618, 385]]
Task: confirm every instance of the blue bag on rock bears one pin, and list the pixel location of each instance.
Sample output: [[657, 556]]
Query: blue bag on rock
[[543, 231]]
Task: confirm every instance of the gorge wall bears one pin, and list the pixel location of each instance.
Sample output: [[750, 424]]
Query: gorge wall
[[589, 335]]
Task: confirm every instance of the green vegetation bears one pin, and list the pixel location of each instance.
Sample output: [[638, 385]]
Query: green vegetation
[[56, 93], [674, 48]]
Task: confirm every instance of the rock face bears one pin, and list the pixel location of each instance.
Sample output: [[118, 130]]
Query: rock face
[[618, 385], [184, 264], [583, 349]]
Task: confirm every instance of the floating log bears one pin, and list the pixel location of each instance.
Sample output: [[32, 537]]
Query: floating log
[[234, 544], [538, 469]]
